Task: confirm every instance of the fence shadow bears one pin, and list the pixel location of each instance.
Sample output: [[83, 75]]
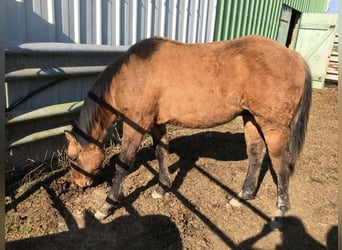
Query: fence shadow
[[159, 232], [127, 232], [214, 145], [294, 237], [232, 147]]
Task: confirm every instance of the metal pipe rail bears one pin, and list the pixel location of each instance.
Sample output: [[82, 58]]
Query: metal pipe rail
[[43, 83], [34, 73], [55, 56], [48, 111]]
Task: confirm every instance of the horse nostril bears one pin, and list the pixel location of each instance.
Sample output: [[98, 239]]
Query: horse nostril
[[79, 183], [89, 183], [73, 185]]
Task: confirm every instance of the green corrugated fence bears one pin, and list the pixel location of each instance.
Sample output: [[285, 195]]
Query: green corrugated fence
[[236, 18]]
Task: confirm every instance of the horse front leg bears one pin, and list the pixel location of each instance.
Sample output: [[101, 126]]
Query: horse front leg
[[160, 143], [130, 142]]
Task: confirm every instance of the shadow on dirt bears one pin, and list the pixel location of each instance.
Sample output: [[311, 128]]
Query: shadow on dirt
[[214, 145], [159, 232], [127, 232], [294, 236]]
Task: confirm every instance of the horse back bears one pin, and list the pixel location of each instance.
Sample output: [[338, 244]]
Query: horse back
[[202, 85]]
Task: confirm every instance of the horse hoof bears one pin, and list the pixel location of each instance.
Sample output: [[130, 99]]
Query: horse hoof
[[276, 223], [235, 202], [156, 195], [99, 215], [103, 211]]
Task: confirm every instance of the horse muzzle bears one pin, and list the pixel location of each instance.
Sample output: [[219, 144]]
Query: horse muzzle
[[83, 182]]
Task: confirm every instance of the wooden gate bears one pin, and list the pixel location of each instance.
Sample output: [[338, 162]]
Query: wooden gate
[[315, 40]]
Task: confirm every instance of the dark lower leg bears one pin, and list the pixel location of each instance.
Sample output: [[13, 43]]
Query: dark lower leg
[[164, 175], [112, 200], [256, 154], [283, 203], [161, 150], [256, 150], [278, 152], [130, 143], [115, 192]]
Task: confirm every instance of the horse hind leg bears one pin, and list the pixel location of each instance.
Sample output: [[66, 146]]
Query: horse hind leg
[[256, 150], [278, 152], [160, 143], [277, 145]]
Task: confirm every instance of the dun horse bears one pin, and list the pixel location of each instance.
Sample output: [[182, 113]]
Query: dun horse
[[159, 81]]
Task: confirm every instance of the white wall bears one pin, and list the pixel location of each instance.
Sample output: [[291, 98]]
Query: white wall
[[116, 22]]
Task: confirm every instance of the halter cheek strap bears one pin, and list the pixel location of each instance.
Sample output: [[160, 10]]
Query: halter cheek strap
[[86, 137], [80, 170]]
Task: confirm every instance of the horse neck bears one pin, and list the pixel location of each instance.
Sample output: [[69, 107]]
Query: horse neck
[[97, 117], [102, 126], [99, 109]]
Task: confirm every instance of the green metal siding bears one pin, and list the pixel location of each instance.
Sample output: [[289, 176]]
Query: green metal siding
[[307, 6], [236, 18]]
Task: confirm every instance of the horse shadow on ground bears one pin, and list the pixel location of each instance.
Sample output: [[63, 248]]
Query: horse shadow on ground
[[126, 232], [214, 145], [225, 147], [159, 232], [294, 237]]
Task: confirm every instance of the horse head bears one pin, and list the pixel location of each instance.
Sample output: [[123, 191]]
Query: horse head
[[85, 160]]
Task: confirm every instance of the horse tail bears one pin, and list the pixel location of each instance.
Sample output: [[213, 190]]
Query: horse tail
[[300, 119]]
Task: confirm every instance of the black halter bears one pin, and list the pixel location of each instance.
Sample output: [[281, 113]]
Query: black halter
[[80, 170], [88, 138]]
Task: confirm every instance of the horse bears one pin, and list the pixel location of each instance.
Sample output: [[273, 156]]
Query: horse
[[159, 81]]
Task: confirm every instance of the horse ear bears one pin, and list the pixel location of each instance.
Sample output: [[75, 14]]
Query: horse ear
[[70, 136]]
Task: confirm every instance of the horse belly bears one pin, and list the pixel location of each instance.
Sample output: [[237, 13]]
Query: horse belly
[[200, 94], [194, 112]]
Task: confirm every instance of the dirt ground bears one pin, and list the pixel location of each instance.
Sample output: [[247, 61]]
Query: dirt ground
[[208, 168]]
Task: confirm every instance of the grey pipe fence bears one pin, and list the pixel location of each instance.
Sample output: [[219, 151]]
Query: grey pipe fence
[[45, 84]]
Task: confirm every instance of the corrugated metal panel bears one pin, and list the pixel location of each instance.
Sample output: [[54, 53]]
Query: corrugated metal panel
[[39, 77], [120, 22], [237, 18], [307, 6], [38, 61], [240, 18], [123, 22]]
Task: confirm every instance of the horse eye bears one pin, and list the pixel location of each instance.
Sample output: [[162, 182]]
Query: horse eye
[[73, 158]]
